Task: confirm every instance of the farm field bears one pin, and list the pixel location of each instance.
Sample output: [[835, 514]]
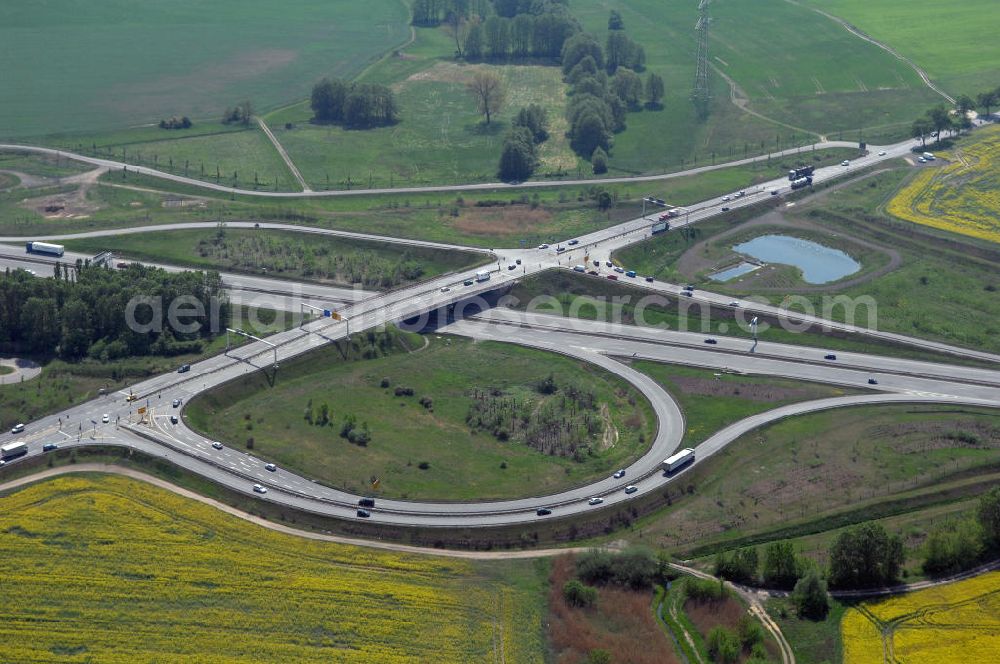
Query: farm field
[[961, 196], [288, 254], [954, 622], [805, 70], [954, 45], [194, 62], [813, 473], [87, 553], [427, 442]]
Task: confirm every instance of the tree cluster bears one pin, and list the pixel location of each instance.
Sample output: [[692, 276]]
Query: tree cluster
[[960, 544], [562, 424], [501, 30], [176, 123], [519, 154], [242, 114], [82, 312], [865, 556], [604, 86], [635, 568], [353, 105], [940, 119]]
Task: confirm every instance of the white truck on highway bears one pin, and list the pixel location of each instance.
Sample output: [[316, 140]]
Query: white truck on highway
[[672, 463], [483, 275], [45, 248], [12, 450]]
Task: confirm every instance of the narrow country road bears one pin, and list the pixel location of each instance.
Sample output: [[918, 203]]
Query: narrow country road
[[284, 155]]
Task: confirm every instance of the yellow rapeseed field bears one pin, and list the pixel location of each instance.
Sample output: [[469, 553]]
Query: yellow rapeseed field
[[112, 570], [962, 196], [956, 622]]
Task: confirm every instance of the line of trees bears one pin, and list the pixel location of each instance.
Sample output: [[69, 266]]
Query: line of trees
[[940, 119], [82, 312], [353, 105], [501, 30], [604, 86]]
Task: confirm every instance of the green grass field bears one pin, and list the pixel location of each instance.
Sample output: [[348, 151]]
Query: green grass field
[[805, 70], [712, 401], [404, 433], [440, 137], [954, 44], [286, 254], [72, 67], [818, 472], [87, 552], [944, 288]]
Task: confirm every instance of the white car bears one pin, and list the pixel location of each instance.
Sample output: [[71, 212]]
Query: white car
[[106, 418], [271, 467], [845, 163], [217, 445], [543, 246], [595, 501], [631, 488], [881, 153], [18, 428], [619, 474], [734, 303], [922, 160], [725, 198], [445, 289], [257, 488]]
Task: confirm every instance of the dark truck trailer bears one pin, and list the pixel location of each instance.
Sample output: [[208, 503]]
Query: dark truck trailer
[[805, 171]]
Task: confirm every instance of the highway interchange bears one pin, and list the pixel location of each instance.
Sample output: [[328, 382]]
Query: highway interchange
[[897, 380]]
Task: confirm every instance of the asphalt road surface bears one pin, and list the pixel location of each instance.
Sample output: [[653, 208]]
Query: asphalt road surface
[[899, 381]]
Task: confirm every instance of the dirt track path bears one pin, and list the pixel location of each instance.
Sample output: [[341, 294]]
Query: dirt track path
[[284, 155], [228, 509], [885, 47]]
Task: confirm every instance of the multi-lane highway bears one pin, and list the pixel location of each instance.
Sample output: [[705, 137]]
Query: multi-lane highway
[[896, 380]]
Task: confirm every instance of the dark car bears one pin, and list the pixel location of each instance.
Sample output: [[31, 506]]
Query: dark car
[[184, 368], [649, 279], [573, 243], [711, 341], [610, 264], [829, 356], [518, 261], [593, 273], [364, 514], [872, 381], [48, 447], [597, 263], [543, 511], [688, 287], [467, 282], [173, 419], [366, 502], [613, 277], [511, 267], [725, 208]]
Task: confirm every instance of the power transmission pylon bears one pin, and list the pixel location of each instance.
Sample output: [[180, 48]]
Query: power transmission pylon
[[701, 95]]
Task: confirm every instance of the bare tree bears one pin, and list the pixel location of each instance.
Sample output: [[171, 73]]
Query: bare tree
[[488, 90], [246, 111]]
